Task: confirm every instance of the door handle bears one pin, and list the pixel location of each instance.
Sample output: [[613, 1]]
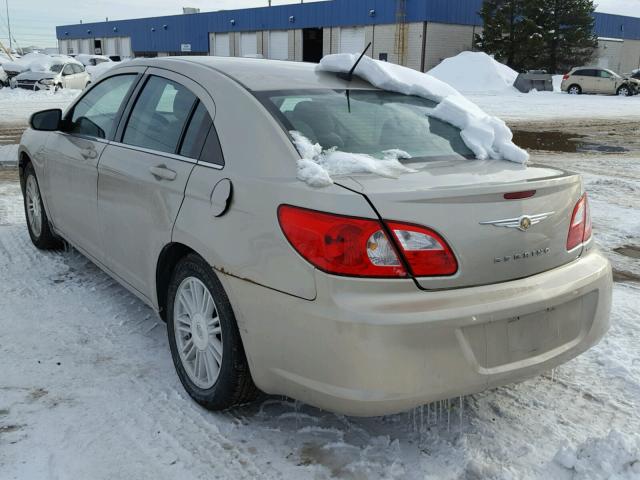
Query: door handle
[[161, 172]]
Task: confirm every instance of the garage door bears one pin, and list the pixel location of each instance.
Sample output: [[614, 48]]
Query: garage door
[[221, 45], [63, 45], [248, 44], [73, 47], [125, 47], [85, 45], [352, 40], [111, 47], [279, 45]]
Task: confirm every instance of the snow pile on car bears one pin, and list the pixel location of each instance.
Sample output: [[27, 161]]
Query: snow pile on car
[[485, 135], [475, 72], [36, 62], [616, 456], [317, 165]]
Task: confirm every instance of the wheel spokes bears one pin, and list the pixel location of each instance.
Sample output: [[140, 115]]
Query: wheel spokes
[[198, 332]]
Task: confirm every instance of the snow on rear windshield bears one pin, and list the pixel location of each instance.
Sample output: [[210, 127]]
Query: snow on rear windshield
[[370, 122]]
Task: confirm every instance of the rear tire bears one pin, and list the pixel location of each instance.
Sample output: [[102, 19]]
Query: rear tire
[[574, 90], [204, 339], [37, 220]]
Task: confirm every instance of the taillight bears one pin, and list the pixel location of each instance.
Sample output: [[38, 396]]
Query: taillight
[[565, 76], [339, 244], [426, 252], [353, 246], [580, 228]]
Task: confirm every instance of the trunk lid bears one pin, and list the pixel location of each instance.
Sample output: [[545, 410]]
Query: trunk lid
[[464, 202]]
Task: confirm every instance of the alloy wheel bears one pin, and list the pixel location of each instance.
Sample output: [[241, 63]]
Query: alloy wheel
[[34, 209], [198, 332]]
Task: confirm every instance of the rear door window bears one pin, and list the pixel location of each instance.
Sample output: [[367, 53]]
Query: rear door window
[[201, 139], [159, 115], [95, 114], [77, 68]]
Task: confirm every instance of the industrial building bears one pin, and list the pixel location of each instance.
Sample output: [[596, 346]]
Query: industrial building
[[415, 33]]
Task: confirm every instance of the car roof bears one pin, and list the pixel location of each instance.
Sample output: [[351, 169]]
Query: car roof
[[262, 75]]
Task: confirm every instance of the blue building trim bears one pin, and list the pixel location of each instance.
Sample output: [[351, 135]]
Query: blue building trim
[[166, 34]]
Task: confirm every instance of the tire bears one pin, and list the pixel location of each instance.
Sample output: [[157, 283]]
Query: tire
[[624, 91], [37, 220], [204, 337], [574, 90]]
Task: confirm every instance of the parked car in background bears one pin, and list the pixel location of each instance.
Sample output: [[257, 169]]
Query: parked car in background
[[179, 177], [59, 75], [600, 81], [91, 60]]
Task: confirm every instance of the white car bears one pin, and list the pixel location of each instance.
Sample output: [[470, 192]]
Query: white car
[[59, 75]]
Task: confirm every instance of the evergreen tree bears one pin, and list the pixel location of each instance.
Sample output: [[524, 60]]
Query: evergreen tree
[[538, 34], [568, 33]]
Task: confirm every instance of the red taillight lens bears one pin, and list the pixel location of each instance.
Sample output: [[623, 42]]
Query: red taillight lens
[[340, 245], [580, 228], [361, 247], [426, 252], [565, 76]]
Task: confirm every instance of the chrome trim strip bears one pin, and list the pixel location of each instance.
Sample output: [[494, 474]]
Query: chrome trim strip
[[210, 165], [154, 152]]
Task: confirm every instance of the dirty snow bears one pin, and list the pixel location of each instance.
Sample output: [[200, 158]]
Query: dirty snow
[[487, 74], [486, 136], [316, 166]]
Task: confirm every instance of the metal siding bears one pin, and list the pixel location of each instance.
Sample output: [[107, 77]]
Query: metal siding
[[195, 28], [617, 26]]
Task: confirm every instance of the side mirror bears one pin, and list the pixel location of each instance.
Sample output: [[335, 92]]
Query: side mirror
[[46, 120]]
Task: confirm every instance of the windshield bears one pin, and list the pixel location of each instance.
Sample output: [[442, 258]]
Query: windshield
[[56, 68], [368, 121]]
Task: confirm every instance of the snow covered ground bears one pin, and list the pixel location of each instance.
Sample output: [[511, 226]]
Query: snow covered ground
[[88, 390], [16, 105]]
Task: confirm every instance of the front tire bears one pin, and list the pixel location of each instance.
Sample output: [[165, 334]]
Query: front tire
[[37, 220], [624, 91], [574, 90], [204, 339]]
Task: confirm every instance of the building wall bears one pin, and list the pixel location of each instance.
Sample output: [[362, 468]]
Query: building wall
[[385, 39], [630, 56], [609, 54], [444, 41]]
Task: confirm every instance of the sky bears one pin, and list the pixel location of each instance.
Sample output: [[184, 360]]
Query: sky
[[33, 22]]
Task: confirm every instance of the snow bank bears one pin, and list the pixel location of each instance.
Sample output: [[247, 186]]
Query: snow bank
[[475, 72], [317, 165], [486, 136], [616, 456]]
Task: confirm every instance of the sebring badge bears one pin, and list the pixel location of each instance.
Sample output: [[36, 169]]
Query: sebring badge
[[523, 223]]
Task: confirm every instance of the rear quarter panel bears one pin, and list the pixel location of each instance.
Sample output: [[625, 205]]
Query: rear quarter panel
[[260, 161]]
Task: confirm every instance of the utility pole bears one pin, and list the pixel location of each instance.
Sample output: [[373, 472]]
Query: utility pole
[[9, 24]]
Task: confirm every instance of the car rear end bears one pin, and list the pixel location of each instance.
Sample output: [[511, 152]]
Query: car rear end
[[424, 301], [460, 276]]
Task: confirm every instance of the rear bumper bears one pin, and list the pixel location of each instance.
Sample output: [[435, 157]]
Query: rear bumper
[[373, 347]]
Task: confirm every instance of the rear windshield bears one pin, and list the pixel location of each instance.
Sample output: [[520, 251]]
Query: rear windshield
[[368, 121]]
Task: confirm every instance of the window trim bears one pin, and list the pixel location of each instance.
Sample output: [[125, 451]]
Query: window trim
[[110, 135], [119, 137]]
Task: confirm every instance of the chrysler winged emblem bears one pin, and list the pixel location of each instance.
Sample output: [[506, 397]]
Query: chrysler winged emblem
[[522, 223]]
